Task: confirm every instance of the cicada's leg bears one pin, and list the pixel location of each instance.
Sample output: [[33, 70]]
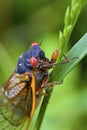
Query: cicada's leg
[[51, 84], [55, 57], [66, 60], [44, 82], [47, 86], [69, 60], [48, 89]]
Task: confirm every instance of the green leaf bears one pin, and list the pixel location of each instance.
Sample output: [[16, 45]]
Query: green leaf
[[79, 50]]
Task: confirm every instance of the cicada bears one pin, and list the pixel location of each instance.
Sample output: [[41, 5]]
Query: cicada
[[21, 94]]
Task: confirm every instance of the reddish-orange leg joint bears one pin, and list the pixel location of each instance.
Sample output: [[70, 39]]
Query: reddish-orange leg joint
[[55, 55]]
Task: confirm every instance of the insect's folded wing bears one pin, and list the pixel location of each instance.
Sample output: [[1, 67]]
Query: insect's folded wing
[[14, 111]]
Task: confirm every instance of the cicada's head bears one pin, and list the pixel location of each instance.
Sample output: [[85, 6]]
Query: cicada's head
[[35, 59]]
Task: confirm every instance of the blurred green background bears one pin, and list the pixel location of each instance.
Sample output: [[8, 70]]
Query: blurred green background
[[25, 21]]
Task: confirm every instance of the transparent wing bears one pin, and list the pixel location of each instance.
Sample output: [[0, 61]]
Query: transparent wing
[[15, 111]]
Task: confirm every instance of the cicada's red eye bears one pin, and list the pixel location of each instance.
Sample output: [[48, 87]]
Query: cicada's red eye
[[55, 55], [34, 43], [33, 61]]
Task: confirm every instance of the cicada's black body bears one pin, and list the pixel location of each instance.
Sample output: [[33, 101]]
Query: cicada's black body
[[22, 92]]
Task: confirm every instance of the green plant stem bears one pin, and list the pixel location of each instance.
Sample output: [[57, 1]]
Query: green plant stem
[[42, 110]]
